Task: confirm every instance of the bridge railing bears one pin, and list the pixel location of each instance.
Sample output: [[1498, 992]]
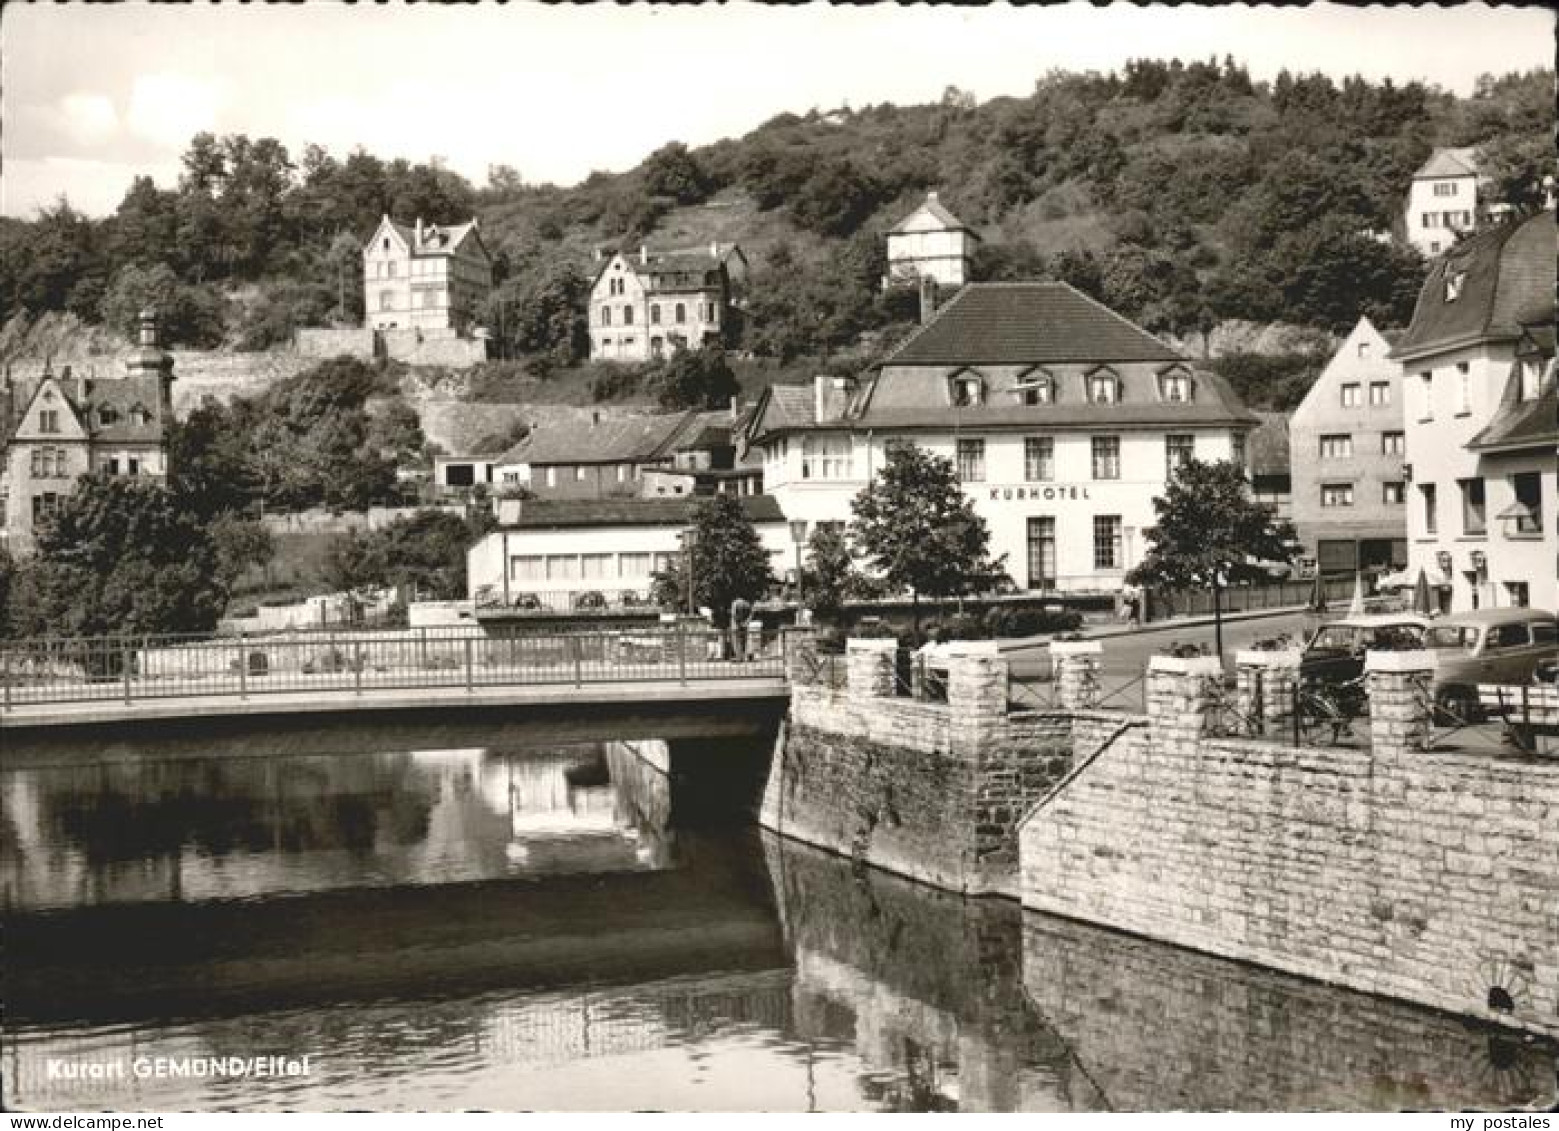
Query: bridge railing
[[128, 668]]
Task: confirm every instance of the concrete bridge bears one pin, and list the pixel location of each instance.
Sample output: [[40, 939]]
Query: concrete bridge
[[73, 683]]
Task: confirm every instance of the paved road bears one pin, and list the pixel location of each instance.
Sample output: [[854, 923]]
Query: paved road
[[1126, 658]]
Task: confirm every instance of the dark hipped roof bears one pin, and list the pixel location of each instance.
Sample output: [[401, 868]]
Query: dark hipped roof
[[1027, 324], [609, 439], [1267, 450], [1522, 424], [559, 514], [1503, 271]]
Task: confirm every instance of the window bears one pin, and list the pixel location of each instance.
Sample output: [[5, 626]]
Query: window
[[663, 561], [595, 567], [1039, 458], [562, 567], [1428, 219], [971, 460], [1106, 541], [1338, 446], [681, 313], [1352, 395], [109, 465], [1454, 282], [527, 567], [1237, 449], [655, 314], [1337, 494], [107, 416], [1103, 387], [1543, 631], [1426, 491], [627, 316], [1426, 395], [1521, 598], [1364, 349], [1178, 450], [826, 457], [1106, 457], [49, 420], [1474, 516], [633, 565], [657, 346], [1042, 552], [386, 244], [965, 390], [1463, 389], [389, 270], [579, 474], [44, 505], [132, 465], [552, 477], [1531, 378], [1509, 635], [1445, 188], [1527, 486], [1392, 443], [1175, 386], [1380, 394], [1394, 493], [139, 416]]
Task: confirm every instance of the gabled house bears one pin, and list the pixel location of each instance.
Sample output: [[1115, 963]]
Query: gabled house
[[1442, 204], [650, 305], [427, 277], [72, 426], [930, 243], [1480, 411]]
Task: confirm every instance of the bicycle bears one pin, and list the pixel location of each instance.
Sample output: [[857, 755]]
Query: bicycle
[[1319, 707]]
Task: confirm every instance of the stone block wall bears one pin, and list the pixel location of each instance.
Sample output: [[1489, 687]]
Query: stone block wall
[[930, 790], [324, 342], [1424, 874]]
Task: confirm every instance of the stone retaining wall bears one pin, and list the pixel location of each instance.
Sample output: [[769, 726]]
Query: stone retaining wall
[[1425, 874]]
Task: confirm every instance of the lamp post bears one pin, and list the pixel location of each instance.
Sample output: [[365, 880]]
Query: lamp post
[[1220, 579], [798, 535], [689, 541]]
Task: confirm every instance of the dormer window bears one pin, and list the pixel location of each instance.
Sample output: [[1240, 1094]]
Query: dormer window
[[965, 390], [106, 416], [1453, 285], [1104, 387], [1036, 388], [1174, 385], [139, 416]]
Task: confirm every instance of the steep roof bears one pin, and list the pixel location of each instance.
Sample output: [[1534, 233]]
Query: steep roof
[[939, 211], [601, 439], [1267, 450], [1495, 277], [1522, 424], [559, 514], [1451, 162], [1027, 324]]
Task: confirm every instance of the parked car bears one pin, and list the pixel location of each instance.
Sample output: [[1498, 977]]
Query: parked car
[[1334, 656], [1488, 646]]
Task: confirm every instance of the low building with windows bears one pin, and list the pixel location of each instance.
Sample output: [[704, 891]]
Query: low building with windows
[[430, 278], [1064, 421], [650, 305], [930, 243], [1480, 417], [561, 554], [1347, 450], [72, 426]]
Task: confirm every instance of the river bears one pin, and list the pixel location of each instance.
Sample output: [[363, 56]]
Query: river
[[499, 921]]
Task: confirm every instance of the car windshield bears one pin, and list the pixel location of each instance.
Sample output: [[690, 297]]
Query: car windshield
[[1343, 636], [1463, 636]]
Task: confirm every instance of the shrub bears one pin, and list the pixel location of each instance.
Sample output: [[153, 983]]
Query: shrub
[[1002, 621]]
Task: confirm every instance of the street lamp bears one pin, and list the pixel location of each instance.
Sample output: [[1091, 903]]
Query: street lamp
[[1220, 579], [798, 535]]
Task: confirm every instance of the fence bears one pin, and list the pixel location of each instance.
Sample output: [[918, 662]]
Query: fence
[[1163, 604], [139, 668]]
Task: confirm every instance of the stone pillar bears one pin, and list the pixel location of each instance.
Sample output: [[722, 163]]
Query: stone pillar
[[1400, 686], [870, 668], [1180, 697], [1075, 667], [800, 655], [1266, 690], [976, 684]]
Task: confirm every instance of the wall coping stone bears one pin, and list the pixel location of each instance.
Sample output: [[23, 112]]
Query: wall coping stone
[[1418, 660], [1076, 647], [1186, 665], [863, 644], [1254, 658]]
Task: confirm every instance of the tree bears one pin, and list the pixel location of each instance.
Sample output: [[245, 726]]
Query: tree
[[696, 379], [728, 560], [241, 544], [1208, 525], [673, 172], [121, 556], [830, 577], [186, 315], [920, 531]]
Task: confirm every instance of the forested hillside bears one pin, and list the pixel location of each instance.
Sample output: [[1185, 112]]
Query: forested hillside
[[1184, 195]]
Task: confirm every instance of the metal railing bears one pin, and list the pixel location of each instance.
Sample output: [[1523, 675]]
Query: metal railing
[[127, 669]]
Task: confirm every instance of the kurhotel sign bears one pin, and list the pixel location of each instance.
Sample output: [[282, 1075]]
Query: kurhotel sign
[[1029, 492]]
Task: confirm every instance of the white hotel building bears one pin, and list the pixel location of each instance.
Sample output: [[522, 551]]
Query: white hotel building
[[1063, 418]]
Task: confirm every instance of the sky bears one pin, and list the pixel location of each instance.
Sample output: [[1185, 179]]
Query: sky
[[96, 95]]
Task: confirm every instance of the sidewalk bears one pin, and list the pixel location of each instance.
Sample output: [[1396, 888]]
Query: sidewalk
[[1171, 624]]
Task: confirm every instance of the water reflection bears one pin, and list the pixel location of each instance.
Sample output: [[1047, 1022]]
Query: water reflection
[[570, 927], [253, 827]]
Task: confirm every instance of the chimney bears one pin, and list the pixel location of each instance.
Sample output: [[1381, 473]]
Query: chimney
[[148, 333], [714, 249], [598, 253], [819, 398], [931, 195], [644, 255], [927, 298], [419, 231]]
